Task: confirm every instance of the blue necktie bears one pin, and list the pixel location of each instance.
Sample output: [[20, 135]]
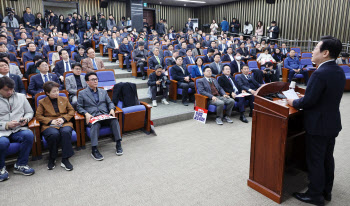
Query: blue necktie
[[46, 79], [94, 63], [67, 67]]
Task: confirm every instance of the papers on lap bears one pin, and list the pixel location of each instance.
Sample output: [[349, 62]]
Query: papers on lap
[[243, 94], [100, 118]]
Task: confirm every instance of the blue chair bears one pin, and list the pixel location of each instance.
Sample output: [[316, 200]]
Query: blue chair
[[346, 70], [190, 67], [28, 64], [50, 56], [164, 47], [75, 135], [13, 64], [225, 63], [199, 56], [297, 50], [173, 89], [205, 51], [106, 77], [73, 55], [305, 55], [252, 64], [308, 63]]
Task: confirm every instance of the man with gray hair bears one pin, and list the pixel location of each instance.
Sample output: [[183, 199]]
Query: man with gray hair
[[156, 59]]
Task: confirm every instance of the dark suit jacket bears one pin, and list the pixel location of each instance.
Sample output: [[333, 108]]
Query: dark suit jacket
[[28, 57], [59, 68], [275, 32], [178, 75], [206, 59], [182, 52], [46, 49], [125, 50], [234, 66], [188, 61], [226, 84], [271, 50], [19, 87], [31, 70], [206, 43], [221, 46], [167, 53], [36, 83], [226, 57], [243, 83], [170, 61], [42, 43], [243, 53], [152, 62], [13, 58], [322, 99]]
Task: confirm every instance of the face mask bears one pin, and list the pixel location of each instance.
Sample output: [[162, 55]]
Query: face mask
[[238, 58]]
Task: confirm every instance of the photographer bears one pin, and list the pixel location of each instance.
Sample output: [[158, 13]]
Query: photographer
[[102, 23], [10, 21], [271, 74], [158, 82]]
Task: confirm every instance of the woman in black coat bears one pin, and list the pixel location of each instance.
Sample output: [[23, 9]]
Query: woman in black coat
[[40, 21], [61, 27], [81, 25]]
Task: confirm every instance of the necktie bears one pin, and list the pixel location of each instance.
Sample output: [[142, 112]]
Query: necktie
[[219, 69], [46, 79], [191, 60], [67, 67], [233, 85], [94, 63], [158, 60]]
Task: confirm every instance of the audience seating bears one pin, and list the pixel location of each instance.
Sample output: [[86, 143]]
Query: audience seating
[[173, 89], [49, 54], [346, 69], [306, 55], [252, 64], [297, 50], [285, 73]]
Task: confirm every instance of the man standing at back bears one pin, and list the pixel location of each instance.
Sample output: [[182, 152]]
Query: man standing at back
[[322, 119]]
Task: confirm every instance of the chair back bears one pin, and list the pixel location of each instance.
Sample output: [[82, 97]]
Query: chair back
[[252, 64], [199, 56], [225, 63], [296, 49], [306, 55], [164, 47], [170, 74], [50, 56], [14, 63], [106, 77], [28, 64], [345, 68], [307, 62], [237, 75], [205, 51], [195, 84], [190, 67], [166, 59], [73, 55]]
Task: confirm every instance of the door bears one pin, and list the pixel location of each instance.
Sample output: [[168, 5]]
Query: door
[[150, 17]]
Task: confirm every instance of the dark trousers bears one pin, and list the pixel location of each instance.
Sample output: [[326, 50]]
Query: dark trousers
[[241, 102], [320, 163], [115, 53], [95, 130], [127, 60], [142, 64], [303, 72], [162, 90], [185, 86], [56, 137]]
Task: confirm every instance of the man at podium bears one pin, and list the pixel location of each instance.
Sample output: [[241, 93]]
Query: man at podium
[[321, 119]]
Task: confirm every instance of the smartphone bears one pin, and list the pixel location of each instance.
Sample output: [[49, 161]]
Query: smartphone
[[22, 120]]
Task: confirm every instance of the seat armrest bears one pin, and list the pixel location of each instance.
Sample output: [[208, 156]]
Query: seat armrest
[[33, 123], [285, 72], [146, 105], [78, 116], [118, 110], [201, 101]]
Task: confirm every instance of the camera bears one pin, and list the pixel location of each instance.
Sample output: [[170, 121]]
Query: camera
[[10, 13], [164, 79]]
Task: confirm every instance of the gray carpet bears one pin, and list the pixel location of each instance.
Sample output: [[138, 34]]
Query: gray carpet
[[188, 163]]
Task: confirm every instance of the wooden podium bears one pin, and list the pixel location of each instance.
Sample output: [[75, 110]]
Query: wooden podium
[[277, 141]]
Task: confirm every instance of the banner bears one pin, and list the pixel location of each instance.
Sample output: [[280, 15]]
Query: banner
[[200, 114]]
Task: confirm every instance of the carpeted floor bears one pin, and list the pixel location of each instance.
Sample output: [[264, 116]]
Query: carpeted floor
[[188, 163]]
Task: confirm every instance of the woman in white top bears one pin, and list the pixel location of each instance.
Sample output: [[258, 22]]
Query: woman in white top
[[230, 42], [259, 30], [214, 27], [247, 28], [265, 57]]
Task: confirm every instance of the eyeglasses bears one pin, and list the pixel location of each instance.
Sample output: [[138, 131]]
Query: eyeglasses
[[93, 80]]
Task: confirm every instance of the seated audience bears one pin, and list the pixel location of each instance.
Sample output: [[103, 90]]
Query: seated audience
[[189, 58], [56, 56], [209, 87], [140, 57], [271, 74], [197, 71], [229, 84], [5, 71], [184, 81], [246, 83], [156, 59], [293, 64], [344, 59], [37, 81], [271, 48], [284, 50], [81, 54], [125, 49], [235, 45], [113, 44], [93, 102], [92, 63], [223, 47], [31, 53], [14, 69], [172, 60], [278, 56], [54, 113], [65, 65], [32, 69], [229, 56], [182, 51], [50, 47], [197, 51], [216, 66], [236, 65], [158, 82], [16, 113], [71, 47], [209, 57], [244, 51], [12, 57], [265, 57], [169, 52], [75, 82]]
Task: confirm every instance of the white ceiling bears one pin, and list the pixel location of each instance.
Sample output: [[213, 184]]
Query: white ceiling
[[188, 3]]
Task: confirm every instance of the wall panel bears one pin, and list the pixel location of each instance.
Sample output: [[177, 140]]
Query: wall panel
[[118, 9]]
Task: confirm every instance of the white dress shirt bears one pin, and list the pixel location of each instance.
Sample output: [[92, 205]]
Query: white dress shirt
[[42, 76]]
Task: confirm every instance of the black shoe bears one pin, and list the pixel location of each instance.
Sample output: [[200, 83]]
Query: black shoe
[[66, 164], [304, 197], [144, 78], [119, 149], [185, 103], [250, 114], [51, 164], [243, 119], [192, 98], [96, 155], [129, 70], [327, 196]]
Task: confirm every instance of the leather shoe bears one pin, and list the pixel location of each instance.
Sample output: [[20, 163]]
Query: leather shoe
[[243, 119], [327, 196], [304, 197], [185, 103], [250, 114], [144, 78]]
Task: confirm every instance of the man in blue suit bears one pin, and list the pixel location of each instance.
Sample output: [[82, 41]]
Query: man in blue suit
[[156, 59], [237, 64], [125, 49], [223, 47], [31, 52], [246, 82], [5, 71], [209, 57], [65, 65], [37, 81], [50, 47], [322, 120], [189, 59]]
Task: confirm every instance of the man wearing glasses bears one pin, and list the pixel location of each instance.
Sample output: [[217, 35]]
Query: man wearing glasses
[[74, 83], [93, 102]]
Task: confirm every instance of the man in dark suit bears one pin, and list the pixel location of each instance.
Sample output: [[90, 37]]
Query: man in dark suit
[[284, 50], [209, 87], [206, 43], [160, 28], [170, 51], [229, 56], [182, 51], [31, 53], [189, 25], [12, 57], [5, 71], [237, 64], [140, 57], [189, 59], [113, 44], [273, 31], [155, 59], [229, 84], [65, 65], [93, 102], [322, 120], [172, 60], [37, 81], [183, 78], [244, 52], [191, 44], [216, 66], [222, 47], [50, 47], [209, 57], [125, 49], [247, 83]]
